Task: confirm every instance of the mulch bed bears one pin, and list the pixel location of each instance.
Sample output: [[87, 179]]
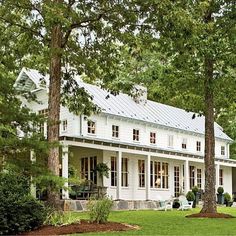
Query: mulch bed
[[210, 215], [82, 227]]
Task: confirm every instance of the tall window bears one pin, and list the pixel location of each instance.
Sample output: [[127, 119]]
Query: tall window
[[64, 125], [135, 135], [199, 178], [184, 143], [191, 176], [198, 146], [93, 173], [159, 175], [170, 141], [88, 165], [115, 131], [113, 172], [124, 172], [152, 137], [42, 128], [91, 127], [222, 150], [176, 180], [141, 173], [221, 182]]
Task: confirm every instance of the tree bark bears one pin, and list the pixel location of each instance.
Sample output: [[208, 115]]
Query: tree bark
[[54, 107], [209, 204]]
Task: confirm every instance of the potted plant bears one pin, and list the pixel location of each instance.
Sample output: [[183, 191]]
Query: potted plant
[[103, 171], [220, 196], [190, 196], [227, 199], [195, 191]]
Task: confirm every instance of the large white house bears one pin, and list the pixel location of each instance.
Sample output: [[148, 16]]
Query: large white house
[[154, 151]]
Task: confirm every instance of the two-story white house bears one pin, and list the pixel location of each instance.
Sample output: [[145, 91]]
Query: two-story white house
[[154, 151]]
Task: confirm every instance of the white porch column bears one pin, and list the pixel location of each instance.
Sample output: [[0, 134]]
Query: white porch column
[[65, 165], [32, 186], [217, 175], [119, 162], [148, 163], [186, 176]]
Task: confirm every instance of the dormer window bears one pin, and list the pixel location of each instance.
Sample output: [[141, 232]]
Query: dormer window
[[152, 137], [222, 150], [135, 135], [184, 143], [115, 131], [91, 127], [198, 146]]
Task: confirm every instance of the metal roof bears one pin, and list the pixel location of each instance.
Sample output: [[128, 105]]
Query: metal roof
[[156, 113]]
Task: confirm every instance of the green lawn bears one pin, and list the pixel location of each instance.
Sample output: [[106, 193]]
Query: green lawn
[[171, 223]]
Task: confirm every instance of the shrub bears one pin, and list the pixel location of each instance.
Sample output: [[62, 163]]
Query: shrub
[[195, 189], [99, 210], [56, 218], [220, 190], [227, 197], [190, 196], [19, 211]]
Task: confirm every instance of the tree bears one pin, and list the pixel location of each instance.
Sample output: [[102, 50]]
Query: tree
[[198, 39], [79, 36]]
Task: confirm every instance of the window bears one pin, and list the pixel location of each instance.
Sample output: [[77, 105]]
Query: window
[[199, 178], [124, 172], [184, 143], [191, 176], [198, 146], [159, 175], [135, 135], [222, 150], [42, 127], [64, 125], [91, 127], [115, 131], [88, 166], [176, 180], [170, 140], [141, 173], [221, 177], [152, 137], [113, 172]]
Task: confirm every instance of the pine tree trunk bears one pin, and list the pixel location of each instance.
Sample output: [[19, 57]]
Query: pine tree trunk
[[54, 108], [209, 205]]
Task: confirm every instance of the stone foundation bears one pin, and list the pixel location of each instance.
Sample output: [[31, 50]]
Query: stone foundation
[[80, 205]]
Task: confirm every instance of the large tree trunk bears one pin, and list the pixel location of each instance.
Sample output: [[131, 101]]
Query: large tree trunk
[[54, 107], [209, 205]]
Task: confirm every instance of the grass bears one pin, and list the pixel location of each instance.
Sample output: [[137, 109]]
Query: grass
[[171, 223]]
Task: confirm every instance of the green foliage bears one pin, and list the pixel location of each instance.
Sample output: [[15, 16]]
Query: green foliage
[[220, 190], [58, 218], [195, 190], [102, 169], [19, 211], [99, 210], [227, 197], [190, 196]]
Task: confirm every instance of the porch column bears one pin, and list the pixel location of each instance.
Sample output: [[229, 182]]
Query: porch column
[[118, 188], [148, 163], [186, 176], [32, 186], [65, 193], [217, 175]]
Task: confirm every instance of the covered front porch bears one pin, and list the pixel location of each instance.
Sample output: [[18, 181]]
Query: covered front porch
[[137, 173]]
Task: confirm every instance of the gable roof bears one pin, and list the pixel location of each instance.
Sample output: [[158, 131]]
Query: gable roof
[[152, 112]]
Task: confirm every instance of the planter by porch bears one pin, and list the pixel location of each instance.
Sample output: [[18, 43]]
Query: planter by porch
[[220, 199]]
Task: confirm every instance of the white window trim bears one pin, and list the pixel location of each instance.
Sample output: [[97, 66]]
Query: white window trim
[[136, 141], [116, 138], [90, 134], [62, 126]]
